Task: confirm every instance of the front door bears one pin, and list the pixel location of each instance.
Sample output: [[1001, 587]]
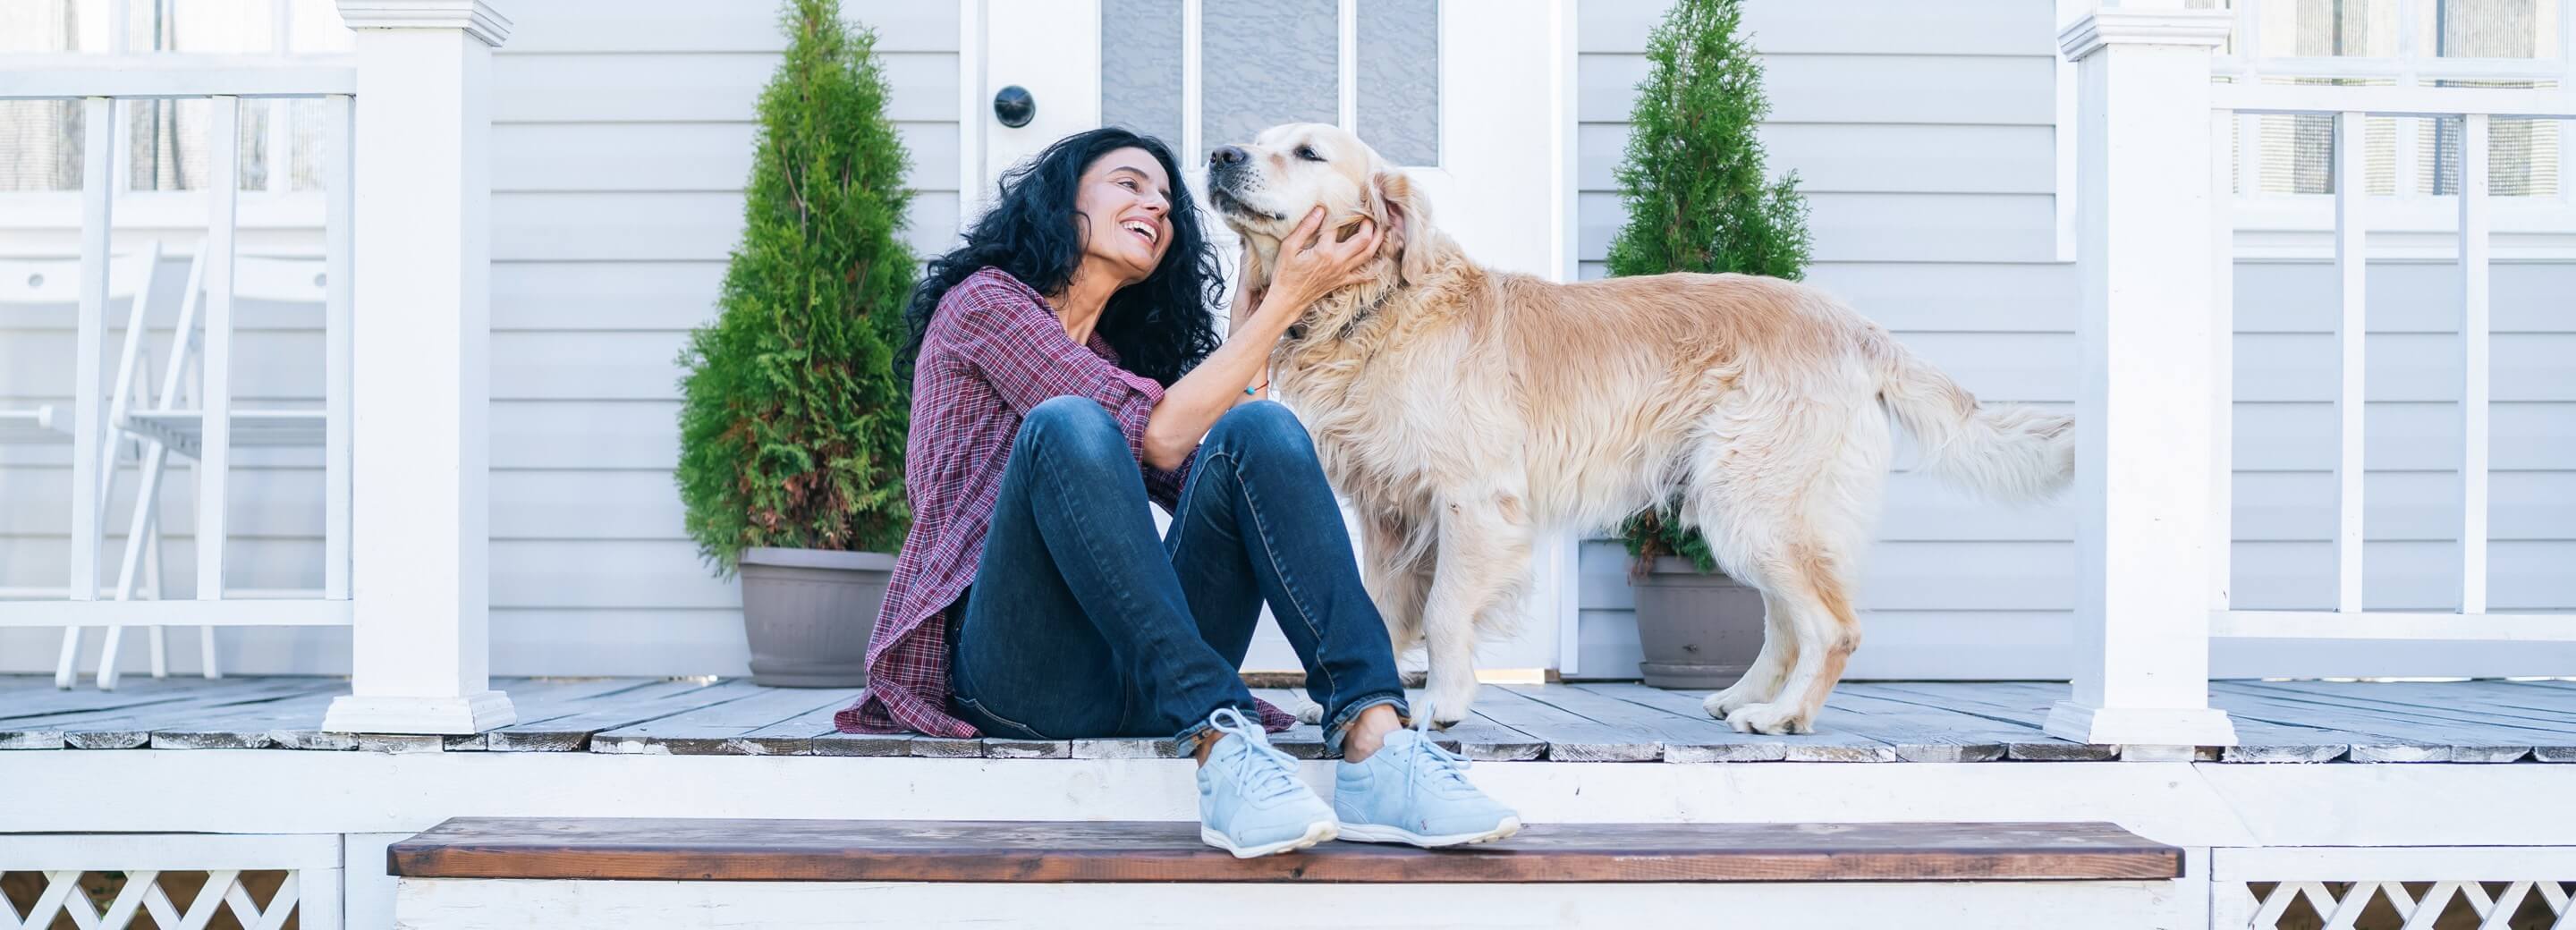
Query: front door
[[1472, 97]]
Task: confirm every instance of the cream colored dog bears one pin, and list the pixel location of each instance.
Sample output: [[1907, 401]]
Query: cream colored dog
[[1462, 410]]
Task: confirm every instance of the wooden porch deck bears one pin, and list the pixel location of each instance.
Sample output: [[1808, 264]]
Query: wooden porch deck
[[2487, 721]]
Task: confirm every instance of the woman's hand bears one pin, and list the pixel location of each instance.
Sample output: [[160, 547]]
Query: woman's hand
[[1310, 268]]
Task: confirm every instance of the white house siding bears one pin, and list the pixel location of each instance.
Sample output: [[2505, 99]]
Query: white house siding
[[1923, 135], [622, 138]]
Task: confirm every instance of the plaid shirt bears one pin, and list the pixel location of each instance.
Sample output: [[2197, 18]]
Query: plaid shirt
[[994, 350]]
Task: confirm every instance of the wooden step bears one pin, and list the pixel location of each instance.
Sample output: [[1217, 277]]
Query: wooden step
[[1170, 851]]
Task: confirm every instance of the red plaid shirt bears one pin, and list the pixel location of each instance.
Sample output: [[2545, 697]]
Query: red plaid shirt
[[994, 350]]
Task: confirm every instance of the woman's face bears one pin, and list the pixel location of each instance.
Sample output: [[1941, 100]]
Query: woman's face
[[1125, 206]]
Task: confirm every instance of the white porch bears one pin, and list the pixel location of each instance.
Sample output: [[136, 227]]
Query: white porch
[[2142, 737]]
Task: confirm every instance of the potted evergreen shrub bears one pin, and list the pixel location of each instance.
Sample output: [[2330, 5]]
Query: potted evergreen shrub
[[792, 422], [1698, 199]]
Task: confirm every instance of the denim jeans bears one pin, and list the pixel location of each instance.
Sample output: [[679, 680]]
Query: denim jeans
[[1080, 623]]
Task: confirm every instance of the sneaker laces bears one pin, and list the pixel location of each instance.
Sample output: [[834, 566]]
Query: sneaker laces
[[1432, 763], [1271, 774]]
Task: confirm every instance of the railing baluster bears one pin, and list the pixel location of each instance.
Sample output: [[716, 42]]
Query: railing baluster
[[97, 198], [339, 173], [2222, 371], [2473, 368], [2351, 261], [223, 177]]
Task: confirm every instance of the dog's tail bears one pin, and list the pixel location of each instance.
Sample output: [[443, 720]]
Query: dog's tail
[[2004, 452]]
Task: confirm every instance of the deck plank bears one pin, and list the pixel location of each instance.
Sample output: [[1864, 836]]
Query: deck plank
[[2460, 700], [35, 696], [572, 732], [1686, 737], [1170, 851], [1924, 733], [2375, 737], [293, 722], [533, 700], [1835, 745], [719, 729], [2470, 737], [2028, 704], [130, 727], [1571, 737]]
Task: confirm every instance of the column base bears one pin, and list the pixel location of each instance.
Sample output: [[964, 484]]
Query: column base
[[457, 716], [2141, 726]]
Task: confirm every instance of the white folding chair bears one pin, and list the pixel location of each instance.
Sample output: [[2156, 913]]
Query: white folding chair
[[52, 286], [174, 422]]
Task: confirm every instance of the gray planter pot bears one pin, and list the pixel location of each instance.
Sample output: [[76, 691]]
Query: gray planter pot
[[1698, 632], [809, 614]]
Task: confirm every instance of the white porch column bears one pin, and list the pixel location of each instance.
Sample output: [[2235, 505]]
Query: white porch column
[[2143, 422], [420, 570]]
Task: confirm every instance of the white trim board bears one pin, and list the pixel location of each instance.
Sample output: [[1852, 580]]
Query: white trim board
[[2185, 804]]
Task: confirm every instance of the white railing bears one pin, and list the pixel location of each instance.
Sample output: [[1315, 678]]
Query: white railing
[[408, 239], [2350, 105], [2156, 229], [210, 431]]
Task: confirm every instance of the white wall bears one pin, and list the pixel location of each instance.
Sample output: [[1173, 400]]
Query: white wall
[[1924, 137]]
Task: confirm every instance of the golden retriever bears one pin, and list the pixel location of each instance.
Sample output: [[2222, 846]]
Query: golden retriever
[[1462, 410]]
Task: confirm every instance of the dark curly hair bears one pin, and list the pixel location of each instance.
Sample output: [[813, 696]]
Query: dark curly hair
[[1161, 327]]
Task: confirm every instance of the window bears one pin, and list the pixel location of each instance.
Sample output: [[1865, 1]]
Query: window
[[1280, 61], [162, 142]]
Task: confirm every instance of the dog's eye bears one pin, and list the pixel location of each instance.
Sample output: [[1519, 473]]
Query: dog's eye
[[1307, 152]]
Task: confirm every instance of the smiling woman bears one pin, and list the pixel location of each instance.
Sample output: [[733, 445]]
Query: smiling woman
[[1065, 372]]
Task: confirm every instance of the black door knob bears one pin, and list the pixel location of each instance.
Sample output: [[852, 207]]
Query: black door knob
[[1014, 107]]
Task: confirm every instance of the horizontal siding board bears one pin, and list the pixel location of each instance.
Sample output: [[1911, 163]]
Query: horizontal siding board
[[1861, 158], [604, 296], [666, 157], [587, 505], [590, 436], [701, 87], [636, 26], [1898, 227], [608, 573], [1996, 91], [2402, 437], [1843, 27], [2402, 297], [631, 226]]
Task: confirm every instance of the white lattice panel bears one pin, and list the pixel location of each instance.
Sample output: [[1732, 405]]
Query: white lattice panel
[[66, 894], [169, 882], [2434, 888]]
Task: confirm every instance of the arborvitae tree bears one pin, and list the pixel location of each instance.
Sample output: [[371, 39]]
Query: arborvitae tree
[[1697, 195], [792, 423]]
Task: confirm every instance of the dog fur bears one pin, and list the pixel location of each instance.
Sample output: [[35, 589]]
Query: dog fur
[[1462, 410]]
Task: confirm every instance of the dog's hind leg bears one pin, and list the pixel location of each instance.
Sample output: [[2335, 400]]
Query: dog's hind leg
[[1770, 669], [1807, 563], [1483, 563]]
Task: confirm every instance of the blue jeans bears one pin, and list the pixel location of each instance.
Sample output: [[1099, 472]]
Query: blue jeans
[[1082, 624]]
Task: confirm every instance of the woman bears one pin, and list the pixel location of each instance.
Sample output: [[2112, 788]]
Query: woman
[[1065, 371]]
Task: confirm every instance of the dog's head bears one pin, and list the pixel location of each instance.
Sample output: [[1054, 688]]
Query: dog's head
[[1263, 188]]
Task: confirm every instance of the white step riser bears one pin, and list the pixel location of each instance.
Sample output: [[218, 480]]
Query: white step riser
[[470, 904]]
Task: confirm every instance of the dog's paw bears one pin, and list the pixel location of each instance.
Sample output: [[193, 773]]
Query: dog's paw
[[1311, 713], [1774, 718], [1445, 705], [1740, 695]]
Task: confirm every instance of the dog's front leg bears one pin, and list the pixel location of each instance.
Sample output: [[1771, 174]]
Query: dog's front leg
[[1483, 561]]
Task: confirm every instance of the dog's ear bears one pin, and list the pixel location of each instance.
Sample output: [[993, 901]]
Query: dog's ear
[[1406, 216]]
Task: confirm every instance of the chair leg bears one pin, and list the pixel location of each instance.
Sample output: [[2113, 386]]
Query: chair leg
[[67, 668], [107, 659], [160, 654], [206, 648]]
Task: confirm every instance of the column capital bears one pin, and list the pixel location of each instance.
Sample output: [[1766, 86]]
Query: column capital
[[2127, 26], [476, 17]]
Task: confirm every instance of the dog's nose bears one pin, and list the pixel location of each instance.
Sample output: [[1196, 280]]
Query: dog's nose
[[1227, 155]]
